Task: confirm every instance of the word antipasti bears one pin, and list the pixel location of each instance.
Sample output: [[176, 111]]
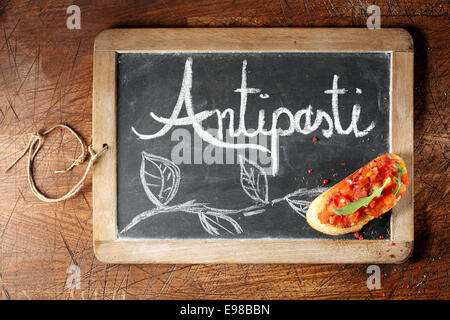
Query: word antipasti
[[331, 124]]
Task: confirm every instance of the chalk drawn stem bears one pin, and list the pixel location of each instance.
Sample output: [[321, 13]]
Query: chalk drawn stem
[[199, 209], [301, 192]]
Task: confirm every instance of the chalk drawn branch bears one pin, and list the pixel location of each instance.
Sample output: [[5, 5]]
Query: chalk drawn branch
[[254, 181], [161, 177]]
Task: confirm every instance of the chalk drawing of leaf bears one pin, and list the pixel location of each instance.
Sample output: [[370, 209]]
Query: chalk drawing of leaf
[[212, 226], [300, 200], [254, 180], [299, 206], [160, 178]]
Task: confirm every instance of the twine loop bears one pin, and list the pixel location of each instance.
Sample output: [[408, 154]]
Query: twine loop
[[37, 135], [39, 138]]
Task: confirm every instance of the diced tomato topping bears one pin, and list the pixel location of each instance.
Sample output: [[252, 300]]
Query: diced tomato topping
[[360, 185], [360, 193], [404, 178], [363, 181], [354, 217]]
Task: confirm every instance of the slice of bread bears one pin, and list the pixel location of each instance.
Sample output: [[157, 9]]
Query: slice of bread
[[318, 204]]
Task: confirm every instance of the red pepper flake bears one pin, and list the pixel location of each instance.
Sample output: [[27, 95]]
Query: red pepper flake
[[360, 238], [391, 256], [419, 267], [356, 235], [388, 235], [332, 170], [388, 250], [310, 170], [393, 243], [315, 139], [406, 286], [382, 275], [84, 186], [60, 130], [342, 163], [383, 294], [326, 181], [381, 237]]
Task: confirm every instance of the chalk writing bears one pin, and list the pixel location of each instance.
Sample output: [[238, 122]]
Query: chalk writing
[[302, 116]]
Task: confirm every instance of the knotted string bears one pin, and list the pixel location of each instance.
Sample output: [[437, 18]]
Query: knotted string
[[38, 138]]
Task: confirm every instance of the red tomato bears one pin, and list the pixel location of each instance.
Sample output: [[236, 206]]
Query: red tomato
[[360, 193], [354, 217], [405, 178]]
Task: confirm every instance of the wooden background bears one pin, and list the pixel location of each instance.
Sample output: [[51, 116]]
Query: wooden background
[[46, 78]]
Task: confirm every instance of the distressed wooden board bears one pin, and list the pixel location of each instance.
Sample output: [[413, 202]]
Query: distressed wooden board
[[110, 248], [46, 77]]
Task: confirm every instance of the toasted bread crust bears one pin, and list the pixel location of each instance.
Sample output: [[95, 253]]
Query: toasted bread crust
[[318, 204]]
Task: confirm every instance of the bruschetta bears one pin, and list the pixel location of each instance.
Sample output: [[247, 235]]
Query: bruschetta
[[361, 197]]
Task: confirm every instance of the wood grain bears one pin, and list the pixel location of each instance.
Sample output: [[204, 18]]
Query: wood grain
[[46, 77], [253, 39], [104, 128], [402, 139]]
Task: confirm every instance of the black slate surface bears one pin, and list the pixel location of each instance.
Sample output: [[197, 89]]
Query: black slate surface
[[149, 82]]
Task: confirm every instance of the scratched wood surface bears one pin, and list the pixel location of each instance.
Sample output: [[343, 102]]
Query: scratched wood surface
[[46, 78]]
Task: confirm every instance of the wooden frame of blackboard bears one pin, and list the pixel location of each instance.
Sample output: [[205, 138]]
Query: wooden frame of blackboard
[[109, 248]]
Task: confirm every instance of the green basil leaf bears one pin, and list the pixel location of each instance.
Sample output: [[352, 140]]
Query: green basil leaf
[[363, 202], [400, 172]]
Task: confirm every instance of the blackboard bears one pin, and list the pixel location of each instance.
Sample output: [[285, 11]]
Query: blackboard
[[218, 140], [148, 88]]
